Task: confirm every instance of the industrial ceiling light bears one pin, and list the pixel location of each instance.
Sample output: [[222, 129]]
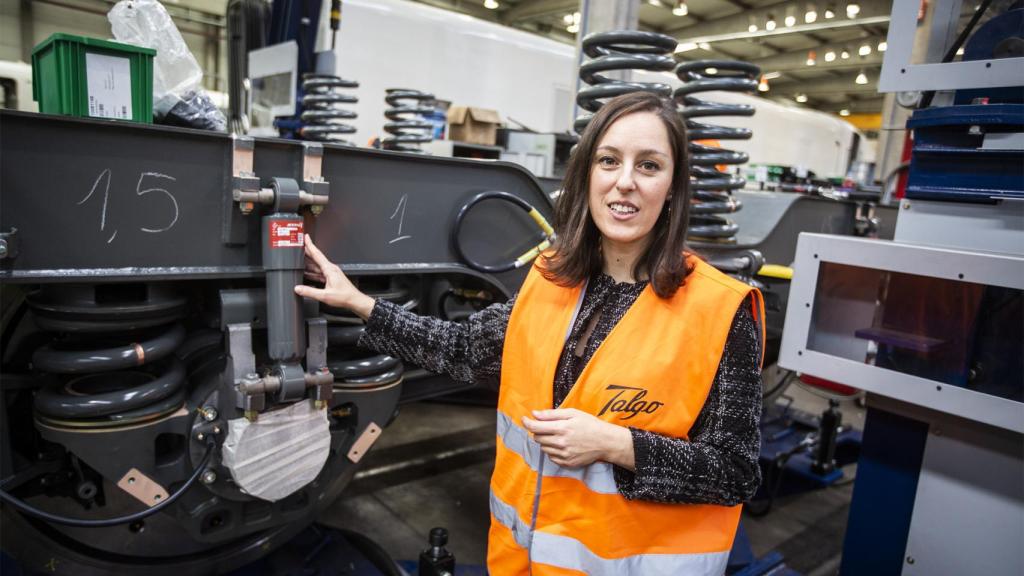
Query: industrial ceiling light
[[862, 78], [829, 13], [845, 55], [844, 112], [883, 46], [790, 21], [812, 58], [491, 4], [567, 19], [704, 46], [864, 50], [574, 26], [811, 15], [753, 25], [681, 9], [770, 24], [762, 86], [852, 9], [830, 56], [686, 47], [801, 98]]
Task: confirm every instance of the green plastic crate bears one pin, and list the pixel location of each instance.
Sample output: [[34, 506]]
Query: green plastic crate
[[88, 77]]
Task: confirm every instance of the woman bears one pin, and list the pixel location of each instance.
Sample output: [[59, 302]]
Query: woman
[[620, 451]]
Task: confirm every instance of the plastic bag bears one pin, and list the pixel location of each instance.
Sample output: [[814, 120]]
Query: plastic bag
[[178, 96]]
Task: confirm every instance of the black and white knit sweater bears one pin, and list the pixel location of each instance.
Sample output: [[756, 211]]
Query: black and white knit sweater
[[718, 465]]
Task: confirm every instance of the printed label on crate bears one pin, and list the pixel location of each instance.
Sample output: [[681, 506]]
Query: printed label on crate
[[109, 81], [286, 234]]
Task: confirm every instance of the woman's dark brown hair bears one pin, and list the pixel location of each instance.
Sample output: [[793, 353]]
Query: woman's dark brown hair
[[577, 252]]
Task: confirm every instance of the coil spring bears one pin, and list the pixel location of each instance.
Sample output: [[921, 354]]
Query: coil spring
[[405, 123], [320, 113], [112, 360], [354, 368], [621, 50], [712, 188]]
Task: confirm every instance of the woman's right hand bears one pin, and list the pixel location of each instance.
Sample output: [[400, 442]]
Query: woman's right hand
[[338, 290]]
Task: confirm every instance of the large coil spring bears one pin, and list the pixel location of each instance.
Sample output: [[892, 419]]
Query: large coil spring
[[112, 361], [405, 123], [712, 188], [621, 50], [321, 116], [354, 367]]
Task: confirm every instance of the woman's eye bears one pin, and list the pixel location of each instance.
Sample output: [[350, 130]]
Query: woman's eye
[[606, 161], [649, 166]]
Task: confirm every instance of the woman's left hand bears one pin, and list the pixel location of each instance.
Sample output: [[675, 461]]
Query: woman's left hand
[[574, 438]]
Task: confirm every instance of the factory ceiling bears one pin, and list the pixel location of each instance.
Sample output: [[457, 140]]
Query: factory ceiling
[[815, 52]]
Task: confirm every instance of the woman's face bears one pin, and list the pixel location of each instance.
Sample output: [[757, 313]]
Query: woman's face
[[630, 178]]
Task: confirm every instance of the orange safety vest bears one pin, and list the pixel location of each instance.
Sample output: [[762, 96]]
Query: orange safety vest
[[653, 371]]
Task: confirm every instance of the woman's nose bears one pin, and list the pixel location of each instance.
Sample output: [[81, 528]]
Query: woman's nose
[[625, 181]]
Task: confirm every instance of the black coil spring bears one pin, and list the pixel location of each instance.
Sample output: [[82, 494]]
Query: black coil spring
[[712, 188], [112, 359], [322, 119], [405, 123], [621, 50], [356, 368]]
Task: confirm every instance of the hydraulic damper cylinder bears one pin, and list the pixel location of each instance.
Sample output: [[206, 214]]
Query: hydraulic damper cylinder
[[283, 242]]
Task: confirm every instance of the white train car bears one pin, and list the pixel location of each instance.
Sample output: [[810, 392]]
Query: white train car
[[531, 80]]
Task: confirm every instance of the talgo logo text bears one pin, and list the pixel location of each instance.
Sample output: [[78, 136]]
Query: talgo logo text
[[629, 401]]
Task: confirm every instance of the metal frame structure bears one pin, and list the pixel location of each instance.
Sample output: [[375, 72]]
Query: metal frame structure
[[950, 264], [900, 74]]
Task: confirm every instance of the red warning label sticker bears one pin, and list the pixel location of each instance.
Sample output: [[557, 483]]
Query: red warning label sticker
[[286, 234]]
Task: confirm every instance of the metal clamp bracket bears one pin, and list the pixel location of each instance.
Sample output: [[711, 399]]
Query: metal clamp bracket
[[9, 244]]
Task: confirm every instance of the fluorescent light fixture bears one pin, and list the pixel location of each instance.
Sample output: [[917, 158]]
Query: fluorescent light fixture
[[491, 4], [844, 55], [681, 9], [861, 78], [567, 19], [864, 50], [686, 47], [704, 46], [829, 14], [790, 21], [811, 16], [852, 9], [801, 98], [752, 28], [844, 112], [711, 70], [572, 28], [883, 46], [830, 56], [770, 24]]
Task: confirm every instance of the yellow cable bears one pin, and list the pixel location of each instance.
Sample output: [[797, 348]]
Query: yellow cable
[[776, 271]]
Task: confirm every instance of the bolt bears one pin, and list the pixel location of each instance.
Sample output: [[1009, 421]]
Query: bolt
[[910, 559], [3, 248], [209, 413], [906, 205], [208, 477]]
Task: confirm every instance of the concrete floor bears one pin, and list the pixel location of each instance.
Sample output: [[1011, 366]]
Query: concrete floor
[[431, 468]]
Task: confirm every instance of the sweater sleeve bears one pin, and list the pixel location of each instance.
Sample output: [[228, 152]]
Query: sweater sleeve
[[469, 351], [719, 464]]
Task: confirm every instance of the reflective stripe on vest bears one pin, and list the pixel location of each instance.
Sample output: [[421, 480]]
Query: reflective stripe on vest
[[598, 476], [571, 554]]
